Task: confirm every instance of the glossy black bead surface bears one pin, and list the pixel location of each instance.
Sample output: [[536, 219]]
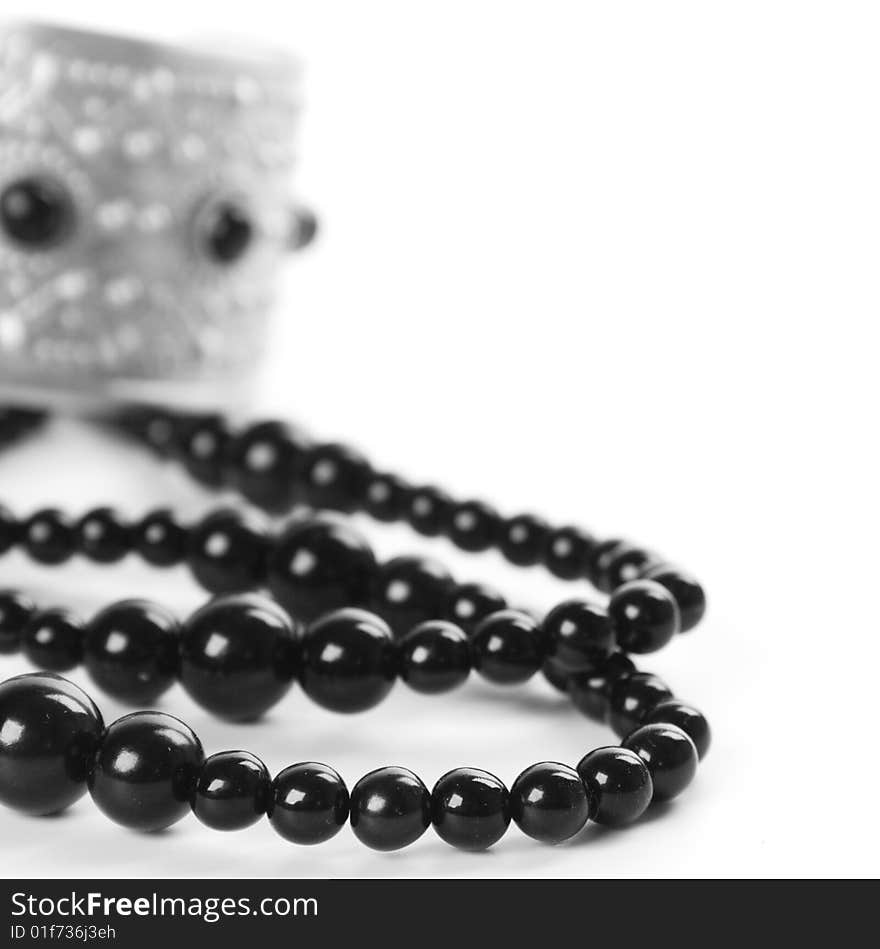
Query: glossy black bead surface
[[35, 212], [130, 650], [644, 616], [103, 536], [160, 539], [507, 647], [470, 808], [469, 603], [555, 675], [473, 526], [523, 539], [428, 510], [386, 497], [53, 640], [410, 590], [49, 729], [232, 791], [687, 591], [670, 755], [264, 462], [434, 657], [9, 530], [691, 721], [226, 552], [145, 770], [49, 537], [590, 690], [618, 785], [199, 443], [567, 552], [390, 809], [16, 609], [626, 562], [577, 635], [549, 802], [318, 565], [632, 697], [335, 476], [349, 661], [309, 803], [238, 656], [228, 233]]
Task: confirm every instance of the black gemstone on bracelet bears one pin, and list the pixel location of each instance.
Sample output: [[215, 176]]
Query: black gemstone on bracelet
[[309, 803], [103, 536], [48, 537], [632, 697], [53, 639], [469, 603], [390, 808], [549, 802], [410, 590], [429, 510], [590, 691], [473, 526], [577, 635], [226, 552], [626, 562], [15, 611], [232, 791], [386, 497], [567, 552], [159, 539], [470, 808], [618, 784], [335, 476], [200, 444], [508, 647], [434, 657], [691, 721], [555, 675], [687, 592], [670, 756], [643, 615], [523, 539], [264, 462]]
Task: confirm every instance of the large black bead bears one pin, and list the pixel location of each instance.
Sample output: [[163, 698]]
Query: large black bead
[[549, 802], [643, 615], [577, 635], [200, 443], [335, 476], [390, 809], [309, 803], [691, 721], [130, 650], [226, 552], [632, 697], [523, 539], [386, 497], [232, 791], [618, 784], [48, 537], [264, 463], [103, 536], [349, 661], [15, 611], [160, 539], [567, 552], [49, 729], [470, 808], [507, 647], [429, 510], [318, 565], [53, 639], [434, 657], [35, 212], [409, 590], [145, 770], [473, 526], [670, 755], [687, 592], [469, 603], [238, 656], [590, 690]]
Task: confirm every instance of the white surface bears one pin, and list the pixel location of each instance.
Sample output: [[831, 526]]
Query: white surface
[[613, 262]]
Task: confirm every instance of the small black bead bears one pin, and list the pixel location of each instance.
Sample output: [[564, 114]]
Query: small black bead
[[160, 539], [226, 552], [692, 722], [549, 802], [470, 808], [567, 552], [35, 212], [618, 784], [390, 809], [632, 697], [597, 565], [103, 536], [349, 661], [523, 539], [626, 562], [590, 691], [687, 592], [199, 443], [555, 675], [318, 565], [434, 657], [145, 771], [232, 791], [238, 656], [469, 603], [577, 635], [644, 616], [670, 755], [53, 639], [410, 590], [507, 647], [49, 537], [386, 497], [130, 650], [264, 462], [49, 729], [228, 233], [9, 530], [15, 612], [309, 803], [473, 526], [335, 476], [429, 510]]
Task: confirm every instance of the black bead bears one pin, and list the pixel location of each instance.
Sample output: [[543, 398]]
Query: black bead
[[692, 722], [309, 803], [348, 661], [523, 539], [35, 212], [625, 563], [160, 539], [618, 784], [318, 565], [228, 233], [434, 657], [232, 791], [264, 462], [644, 616], [473, 526], [9, 530], [48, 537], [49, 729], [555, 675], [390, 809], [238, 656], [335, 476], [103, 536], [226, 552], [429, 510], [146, 770], [590, 690], [470, 808], [386, 497], [687, 592], [410, 590], [567, 552], [199, 443], [577, 635], [598, 563], [15, 611], [507, 647], [53, 639], [670, 755], [469, 603], [632, 697], [549, 802], [130, 650]]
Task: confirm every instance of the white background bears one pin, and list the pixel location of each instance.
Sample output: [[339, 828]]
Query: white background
[[613, 262]]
